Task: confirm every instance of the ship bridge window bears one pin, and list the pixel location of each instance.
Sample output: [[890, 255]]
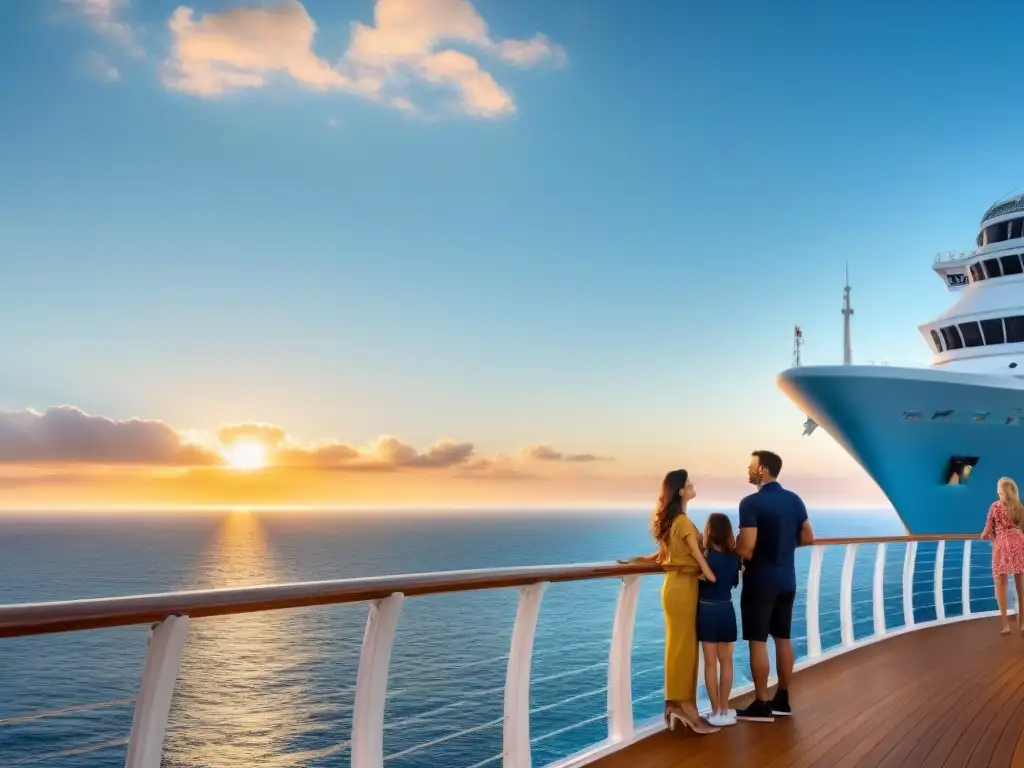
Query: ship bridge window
[[952, 337], [992, 267], [936, 340], [1001, 232], [993, 330], [1011, 264], [1014, 329], [977, 273], [972, 334], [959, 469]]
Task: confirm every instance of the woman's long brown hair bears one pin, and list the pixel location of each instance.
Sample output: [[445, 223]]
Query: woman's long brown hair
[[670, 504]]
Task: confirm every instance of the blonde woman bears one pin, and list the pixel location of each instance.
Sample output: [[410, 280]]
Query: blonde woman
[[1003, 529]]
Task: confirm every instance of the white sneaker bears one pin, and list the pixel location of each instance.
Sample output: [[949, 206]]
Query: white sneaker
[[721, 721]]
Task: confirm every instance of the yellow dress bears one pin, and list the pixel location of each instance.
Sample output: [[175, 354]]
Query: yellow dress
[[679, 599]]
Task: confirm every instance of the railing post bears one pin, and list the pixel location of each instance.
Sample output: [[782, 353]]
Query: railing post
[[909, 558], [620, 681], [940, 599], [372, 682], [878, 591], [965, 579], [846, 596], [516, 732], [813, 595], [166, 642]]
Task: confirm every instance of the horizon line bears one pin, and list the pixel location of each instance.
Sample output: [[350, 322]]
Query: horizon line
[[488, 507]]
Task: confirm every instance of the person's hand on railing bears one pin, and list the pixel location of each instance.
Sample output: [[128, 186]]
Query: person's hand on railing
[[653, 559]]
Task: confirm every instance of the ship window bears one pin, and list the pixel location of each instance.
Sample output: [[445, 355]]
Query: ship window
[[958, 471], [977, 273], [1014, 329], [952, 337], [993, 330], [981, 416], [911, 415], [941, 415], [1011, 264], [1015, 228], [992, 267], [972, 334], [936, 340]]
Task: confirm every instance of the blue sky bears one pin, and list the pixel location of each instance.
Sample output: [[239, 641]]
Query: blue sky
[[614, 267]]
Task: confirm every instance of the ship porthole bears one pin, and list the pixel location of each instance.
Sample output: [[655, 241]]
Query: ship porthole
[[1013, 365]]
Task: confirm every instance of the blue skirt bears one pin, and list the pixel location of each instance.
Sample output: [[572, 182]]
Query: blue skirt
[[716, 621]]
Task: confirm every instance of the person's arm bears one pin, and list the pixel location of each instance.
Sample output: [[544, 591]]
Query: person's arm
[[988, 533], [747, 539], [657, 557], [806, 536], [694, 547]]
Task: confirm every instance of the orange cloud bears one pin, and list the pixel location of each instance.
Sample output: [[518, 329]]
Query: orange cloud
[[410, 42], [64, 434], [547, 453]]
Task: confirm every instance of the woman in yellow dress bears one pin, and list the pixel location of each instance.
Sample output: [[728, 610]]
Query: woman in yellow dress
[[679, 553]]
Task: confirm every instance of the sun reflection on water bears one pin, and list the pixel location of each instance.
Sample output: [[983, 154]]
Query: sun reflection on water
[[243, 695]]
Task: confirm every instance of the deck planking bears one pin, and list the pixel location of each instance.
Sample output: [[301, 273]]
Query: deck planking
[[944, 697]]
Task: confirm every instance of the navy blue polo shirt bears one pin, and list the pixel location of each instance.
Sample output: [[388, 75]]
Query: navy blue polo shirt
[[778, 515]]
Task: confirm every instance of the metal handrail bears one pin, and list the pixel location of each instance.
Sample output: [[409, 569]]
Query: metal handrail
[[20, 620]]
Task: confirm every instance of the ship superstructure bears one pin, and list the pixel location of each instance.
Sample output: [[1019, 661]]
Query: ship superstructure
[[936, 439]]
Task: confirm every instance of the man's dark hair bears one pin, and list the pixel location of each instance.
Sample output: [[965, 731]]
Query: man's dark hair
[[771, 462]]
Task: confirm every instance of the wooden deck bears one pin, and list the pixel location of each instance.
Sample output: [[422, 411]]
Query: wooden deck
[[950, 696]]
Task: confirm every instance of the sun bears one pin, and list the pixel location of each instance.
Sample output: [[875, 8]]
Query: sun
[[246, 455]]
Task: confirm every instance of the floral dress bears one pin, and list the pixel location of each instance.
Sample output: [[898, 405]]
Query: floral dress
[[1008, 544]]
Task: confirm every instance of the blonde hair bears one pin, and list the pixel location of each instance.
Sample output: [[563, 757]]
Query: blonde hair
[[1013, 506]]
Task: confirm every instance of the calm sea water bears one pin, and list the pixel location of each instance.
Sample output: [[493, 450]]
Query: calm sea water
[[276, 689]]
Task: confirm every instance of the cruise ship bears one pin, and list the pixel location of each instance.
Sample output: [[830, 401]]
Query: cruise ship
[[937, 439]]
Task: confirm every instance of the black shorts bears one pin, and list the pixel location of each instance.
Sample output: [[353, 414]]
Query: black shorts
[[766, 613]]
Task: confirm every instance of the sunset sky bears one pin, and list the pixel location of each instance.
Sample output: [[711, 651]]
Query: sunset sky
[[434, 251]]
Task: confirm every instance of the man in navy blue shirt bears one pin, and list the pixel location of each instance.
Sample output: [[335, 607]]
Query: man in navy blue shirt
[[773, 523]]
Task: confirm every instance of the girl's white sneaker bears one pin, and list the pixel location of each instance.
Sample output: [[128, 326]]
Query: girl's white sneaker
[[722, 720]]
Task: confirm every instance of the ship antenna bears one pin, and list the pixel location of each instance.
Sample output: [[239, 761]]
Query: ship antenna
[[847, 313]]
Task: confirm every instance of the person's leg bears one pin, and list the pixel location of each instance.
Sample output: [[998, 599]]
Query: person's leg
[[1018, 587], [1000, 579], [725, 676], [710, 651], [781, 629], [756, 609], [760, 668]]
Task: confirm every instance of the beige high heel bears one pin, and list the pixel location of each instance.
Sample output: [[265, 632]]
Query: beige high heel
[[673, 716]]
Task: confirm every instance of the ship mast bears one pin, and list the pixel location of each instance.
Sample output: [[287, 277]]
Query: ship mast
[[847, 313], [798, 344]]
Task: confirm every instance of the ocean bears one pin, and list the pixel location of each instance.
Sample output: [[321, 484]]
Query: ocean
[[276, 689]]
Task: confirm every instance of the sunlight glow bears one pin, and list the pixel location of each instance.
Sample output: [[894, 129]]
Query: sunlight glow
[[246, 455]]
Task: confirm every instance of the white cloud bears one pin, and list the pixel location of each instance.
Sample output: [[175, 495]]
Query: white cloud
[[105, 18], [98, 65], [242, 48]]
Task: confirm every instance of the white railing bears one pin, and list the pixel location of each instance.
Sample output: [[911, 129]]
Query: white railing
[[944, 256], [958, 581]]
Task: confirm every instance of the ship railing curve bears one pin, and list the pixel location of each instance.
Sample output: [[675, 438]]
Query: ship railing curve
[[932, 580]]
